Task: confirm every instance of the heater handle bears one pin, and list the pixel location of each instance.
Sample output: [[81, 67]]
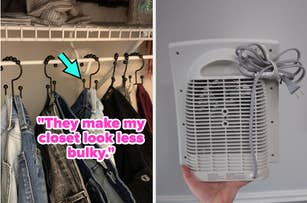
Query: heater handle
[[224, 54]]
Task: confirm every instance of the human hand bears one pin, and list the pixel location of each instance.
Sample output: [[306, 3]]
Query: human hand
[[211, 192]]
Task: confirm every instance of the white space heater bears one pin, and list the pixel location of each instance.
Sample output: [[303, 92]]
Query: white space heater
[[213, 100]]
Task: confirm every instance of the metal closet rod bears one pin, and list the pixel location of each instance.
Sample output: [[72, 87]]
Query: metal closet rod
[[81, 60]]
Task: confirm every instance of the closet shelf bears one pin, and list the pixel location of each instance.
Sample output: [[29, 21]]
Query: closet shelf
[[83, 60], [74, 33]]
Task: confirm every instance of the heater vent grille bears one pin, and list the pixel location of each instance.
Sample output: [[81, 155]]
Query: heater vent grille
[[217, 115]]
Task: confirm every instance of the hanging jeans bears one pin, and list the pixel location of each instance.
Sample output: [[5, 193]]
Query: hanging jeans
[[10, 149], [101, 178], [64, 181], [97, 113], [31, 180]]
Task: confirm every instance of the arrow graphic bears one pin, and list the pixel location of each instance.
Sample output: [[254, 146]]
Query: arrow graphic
[[72, 68]]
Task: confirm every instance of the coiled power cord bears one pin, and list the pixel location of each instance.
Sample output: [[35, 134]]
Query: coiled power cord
[[255, 62]]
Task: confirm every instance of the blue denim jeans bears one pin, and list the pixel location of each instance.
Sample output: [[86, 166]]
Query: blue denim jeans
[[97, 113], [10, 149], [31, 179], [101, 178], [64, 181]]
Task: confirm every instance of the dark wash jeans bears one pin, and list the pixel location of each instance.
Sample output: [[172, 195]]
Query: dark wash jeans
[[101, 179], [64, 181], [31, 180], [134, 162]]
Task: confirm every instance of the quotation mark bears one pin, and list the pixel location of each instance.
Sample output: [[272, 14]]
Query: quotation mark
[[40, 120], [111, 150]]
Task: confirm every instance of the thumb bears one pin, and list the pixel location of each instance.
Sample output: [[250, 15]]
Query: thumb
[[188, 176], [239, 184], [186, 171]]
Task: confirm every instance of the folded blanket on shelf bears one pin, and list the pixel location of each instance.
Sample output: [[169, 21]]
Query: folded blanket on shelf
[[56, 12]]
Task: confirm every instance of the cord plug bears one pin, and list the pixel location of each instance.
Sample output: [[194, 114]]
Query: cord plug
[[292, 86]]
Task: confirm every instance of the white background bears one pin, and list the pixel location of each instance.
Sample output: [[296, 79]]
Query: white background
[[283, 20]]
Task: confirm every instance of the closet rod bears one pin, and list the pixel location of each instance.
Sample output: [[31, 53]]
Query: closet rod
[[101, 59]]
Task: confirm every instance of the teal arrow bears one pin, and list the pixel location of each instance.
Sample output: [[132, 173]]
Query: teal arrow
[[72, 68]]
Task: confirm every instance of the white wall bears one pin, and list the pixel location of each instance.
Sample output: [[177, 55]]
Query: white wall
[[283, 20]]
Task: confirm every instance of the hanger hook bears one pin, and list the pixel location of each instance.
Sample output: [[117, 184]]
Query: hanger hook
[[54, 83], [142, 66], [46, 61], [14, 59], [5, 86], [47, 87], [126, 60], [96, 58], [83, 81], [96, 84], [114, 67], [20, 90]]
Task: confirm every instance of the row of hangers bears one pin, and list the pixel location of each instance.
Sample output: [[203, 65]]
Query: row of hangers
[[52, 83]]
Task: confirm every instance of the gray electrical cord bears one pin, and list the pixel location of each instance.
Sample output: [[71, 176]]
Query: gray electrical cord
[[254, 61]]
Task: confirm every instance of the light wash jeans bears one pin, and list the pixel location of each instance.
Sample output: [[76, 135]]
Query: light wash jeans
[[31, 179], [10, 149], [101, 178], [97, 113]]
